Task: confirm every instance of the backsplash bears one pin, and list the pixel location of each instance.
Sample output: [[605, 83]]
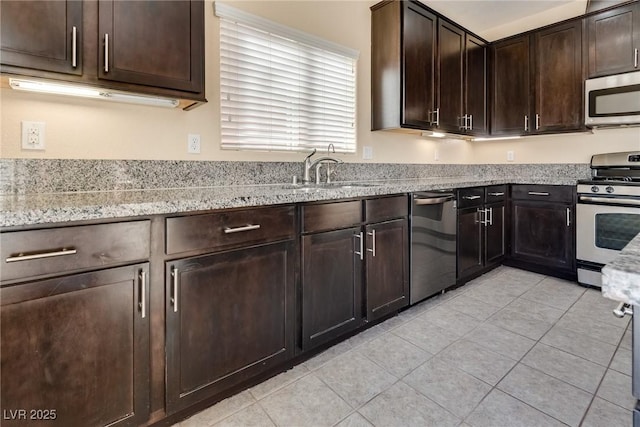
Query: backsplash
[[24, 176]]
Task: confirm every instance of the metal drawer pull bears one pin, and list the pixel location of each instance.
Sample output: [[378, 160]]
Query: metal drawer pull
[[526, 123], [432, 200], [106, 53], [22, 257], [538, 193], [471, 197], [143, 294], [635, 58], [610, 200], [373, 243], [228, 230], [537, 121], [568, 217], [489, 214], [74, 47], [437, 113], [496, 194], [176, 284], [622, 310], [361, 253], [470, 122]]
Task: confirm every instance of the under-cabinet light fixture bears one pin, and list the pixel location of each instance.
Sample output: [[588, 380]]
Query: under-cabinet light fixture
[[432, 134], [497, 138], [90, 92]]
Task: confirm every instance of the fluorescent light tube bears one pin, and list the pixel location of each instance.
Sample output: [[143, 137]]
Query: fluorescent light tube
[[497, 138], [433, 134], [90, 92]]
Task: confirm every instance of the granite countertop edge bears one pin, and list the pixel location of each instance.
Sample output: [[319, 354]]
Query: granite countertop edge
[[621, 277], [47, 208]]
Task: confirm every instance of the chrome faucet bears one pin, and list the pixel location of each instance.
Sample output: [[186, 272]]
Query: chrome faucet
[[321, 161], [307, 167]]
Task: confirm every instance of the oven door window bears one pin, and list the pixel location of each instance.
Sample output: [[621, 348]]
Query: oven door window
[[615, 230]]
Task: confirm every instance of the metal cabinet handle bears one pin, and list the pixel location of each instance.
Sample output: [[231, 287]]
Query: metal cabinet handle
[[23, 257], [622, 310], [635, 58], [537, 121], [74, 47], [479, 216], [470, 122], [437, 113], [361, 253], [538, 193], [106, 53], [249, 227], [496, 194], [471, 197], [526, 123], [489, 215], [143, 294], [176, 285], [462, 122], [373, 242], [568, 217]]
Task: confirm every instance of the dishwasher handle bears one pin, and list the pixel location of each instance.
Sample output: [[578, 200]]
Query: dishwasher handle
[[432, 200]]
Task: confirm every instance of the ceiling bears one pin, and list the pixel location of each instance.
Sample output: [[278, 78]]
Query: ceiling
[[495, 19]]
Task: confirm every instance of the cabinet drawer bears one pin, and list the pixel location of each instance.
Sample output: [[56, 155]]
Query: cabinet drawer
[[469, 197], [495, 193], [331, 216], [385, 208], [49, 251], [226, 229], [544, 193]]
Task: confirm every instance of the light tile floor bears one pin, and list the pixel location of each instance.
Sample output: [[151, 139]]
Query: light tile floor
[[512, 348]]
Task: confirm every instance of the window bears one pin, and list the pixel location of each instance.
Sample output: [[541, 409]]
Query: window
[[282, 89]]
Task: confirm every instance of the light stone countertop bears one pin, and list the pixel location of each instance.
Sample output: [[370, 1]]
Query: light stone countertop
[[621, 277], [46, 208]]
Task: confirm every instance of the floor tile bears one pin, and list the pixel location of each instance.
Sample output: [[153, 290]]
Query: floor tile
[[501, 341], [450, 387], [580, 345], [591, 304], [471, 306], [555, 293], [220, 410], [252, 416], [500, 409], [354, 420], [308, 401], [627, 340], [519, 323], [547, 394], [327, 355], [592, 327], [451, 320], [536, 310], [355, 378], [493, 292], [622, 361], [428, 337], [276, 383], [403, 406], [616, 388], [395, 355], [602, 413], [478, 361], [367, 335], [522, 275], [565, 366]]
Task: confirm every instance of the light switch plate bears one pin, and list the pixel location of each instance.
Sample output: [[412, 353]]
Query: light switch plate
[[367, 152], [32, 135]]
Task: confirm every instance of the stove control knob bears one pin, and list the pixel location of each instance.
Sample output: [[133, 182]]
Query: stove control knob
[[609, 189], [595, 189]]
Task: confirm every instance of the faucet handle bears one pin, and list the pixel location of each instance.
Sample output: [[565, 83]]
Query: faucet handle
[[310, 155]]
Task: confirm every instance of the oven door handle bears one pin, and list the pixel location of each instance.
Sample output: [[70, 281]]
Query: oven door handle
[[609, 200]]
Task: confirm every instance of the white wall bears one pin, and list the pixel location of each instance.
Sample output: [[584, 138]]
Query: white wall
[[89, 129]]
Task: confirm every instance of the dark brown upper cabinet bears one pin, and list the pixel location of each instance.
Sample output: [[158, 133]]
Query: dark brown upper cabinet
[[149, 47], [421, 66], [613, 41], [42, 35], [537, 82]]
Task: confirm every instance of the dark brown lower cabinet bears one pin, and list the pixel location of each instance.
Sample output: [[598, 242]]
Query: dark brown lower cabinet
[[75, 350], [387, 267], [229, 317], [331, 285]]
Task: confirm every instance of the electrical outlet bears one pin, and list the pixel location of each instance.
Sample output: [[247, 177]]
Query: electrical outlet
[[32, 135], [193, 143], [367, 152], [510, 156], [436, 155]]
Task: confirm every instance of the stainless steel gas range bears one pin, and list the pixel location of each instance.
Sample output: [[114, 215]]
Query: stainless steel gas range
[[607, 213]]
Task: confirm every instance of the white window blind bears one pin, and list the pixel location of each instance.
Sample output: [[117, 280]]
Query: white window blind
[[282, 89]]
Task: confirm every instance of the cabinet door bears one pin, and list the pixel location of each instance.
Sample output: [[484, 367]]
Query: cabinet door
[[331, 285], [475, 85], [494, 234], [419, 58], [614, 40], [153, 43], [558, 78], [79, 346], [229, 316], [451, 40], [542, 234], [511, 89], [40, 35], [469, 242], [387, 268]]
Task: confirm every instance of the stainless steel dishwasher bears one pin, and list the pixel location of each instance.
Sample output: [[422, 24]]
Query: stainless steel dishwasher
[[433, 243]]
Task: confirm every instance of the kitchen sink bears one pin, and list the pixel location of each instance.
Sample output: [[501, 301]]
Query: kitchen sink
[[325, 186]]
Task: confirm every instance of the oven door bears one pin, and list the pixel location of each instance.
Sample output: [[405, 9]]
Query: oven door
[[603, 230]]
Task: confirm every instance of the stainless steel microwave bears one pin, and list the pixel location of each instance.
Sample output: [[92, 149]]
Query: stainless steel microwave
[[613, 100]]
